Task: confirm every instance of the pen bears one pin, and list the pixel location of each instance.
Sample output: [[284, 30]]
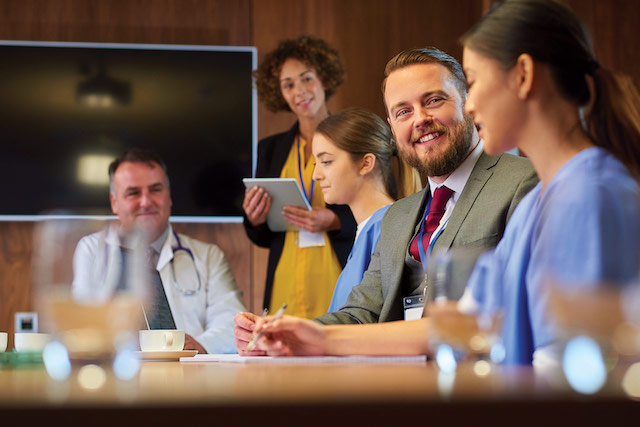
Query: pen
[[259, 335]]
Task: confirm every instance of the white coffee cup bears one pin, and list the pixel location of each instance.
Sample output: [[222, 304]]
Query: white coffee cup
[[30, 341], [161, 340], [4, 337]]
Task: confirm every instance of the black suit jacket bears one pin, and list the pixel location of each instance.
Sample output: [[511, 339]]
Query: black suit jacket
[[272, 155]]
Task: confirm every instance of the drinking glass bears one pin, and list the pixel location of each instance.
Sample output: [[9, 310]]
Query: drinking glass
[[598, 330], [90, 297], [457, 336]]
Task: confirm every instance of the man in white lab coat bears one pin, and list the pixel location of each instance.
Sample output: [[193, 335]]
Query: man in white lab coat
[[196, 287]]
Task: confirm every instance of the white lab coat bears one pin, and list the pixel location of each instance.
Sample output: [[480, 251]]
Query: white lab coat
[[207, 315]]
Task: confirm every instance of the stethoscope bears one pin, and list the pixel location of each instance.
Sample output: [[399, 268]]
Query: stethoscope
[[187, 292]]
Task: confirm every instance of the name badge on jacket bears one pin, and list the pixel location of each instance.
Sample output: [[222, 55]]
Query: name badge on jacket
[[307, 239]]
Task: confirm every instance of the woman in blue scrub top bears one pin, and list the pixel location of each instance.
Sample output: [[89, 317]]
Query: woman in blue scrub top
[[534, 84], [353, 151]]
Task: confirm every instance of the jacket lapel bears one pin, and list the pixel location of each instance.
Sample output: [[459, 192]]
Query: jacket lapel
[[281, 151], [477, 180], [391, 269]]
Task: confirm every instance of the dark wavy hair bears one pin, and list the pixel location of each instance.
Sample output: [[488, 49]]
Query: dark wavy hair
[[553, 34], [310, 50]]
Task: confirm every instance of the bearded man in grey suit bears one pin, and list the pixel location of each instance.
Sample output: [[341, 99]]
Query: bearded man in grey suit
[[424, 92]]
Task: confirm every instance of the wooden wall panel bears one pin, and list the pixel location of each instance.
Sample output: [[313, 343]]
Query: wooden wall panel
[[212, 22], [613, 25], [15, 272]]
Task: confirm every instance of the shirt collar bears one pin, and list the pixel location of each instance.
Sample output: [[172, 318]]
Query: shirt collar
[[159, 242], [459, 177]]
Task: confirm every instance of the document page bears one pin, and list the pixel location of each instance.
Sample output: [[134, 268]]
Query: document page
[[236, 358]]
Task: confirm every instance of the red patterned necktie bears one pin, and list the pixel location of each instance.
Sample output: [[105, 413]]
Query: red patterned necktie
[[436, 210]]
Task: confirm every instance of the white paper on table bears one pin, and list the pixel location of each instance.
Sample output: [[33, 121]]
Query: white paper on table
[[236, 358]]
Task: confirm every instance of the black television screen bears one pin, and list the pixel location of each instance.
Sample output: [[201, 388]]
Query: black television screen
[[67, 109]]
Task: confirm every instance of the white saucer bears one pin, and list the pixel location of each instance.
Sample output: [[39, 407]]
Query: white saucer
[[166, 355]]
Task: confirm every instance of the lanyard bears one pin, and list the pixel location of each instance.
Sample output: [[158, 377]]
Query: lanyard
[[304, 190], [423, 258]]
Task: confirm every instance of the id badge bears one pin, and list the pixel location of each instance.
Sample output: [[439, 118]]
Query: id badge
[[413, 307], [307, 239]]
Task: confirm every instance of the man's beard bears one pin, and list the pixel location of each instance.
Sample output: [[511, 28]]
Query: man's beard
[[445, 163]]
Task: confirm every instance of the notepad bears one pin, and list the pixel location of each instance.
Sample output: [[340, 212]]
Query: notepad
[[236, 358]]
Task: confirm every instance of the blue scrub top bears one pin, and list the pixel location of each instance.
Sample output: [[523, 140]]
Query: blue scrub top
[[583, 231], [358, 260]]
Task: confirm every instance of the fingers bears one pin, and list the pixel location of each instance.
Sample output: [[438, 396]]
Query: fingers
[[301, 218], [256, 205], [245, 325], [245, 320], [295, 211], [191, 343], [241, 346], [317, 219], [273, 347]]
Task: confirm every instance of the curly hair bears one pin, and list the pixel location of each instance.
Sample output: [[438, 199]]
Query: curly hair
[[310, 50]]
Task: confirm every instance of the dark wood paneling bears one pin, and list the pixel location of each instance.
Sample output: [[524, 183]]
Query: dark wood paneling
[[211, 22], [613, 25], [15, 272]]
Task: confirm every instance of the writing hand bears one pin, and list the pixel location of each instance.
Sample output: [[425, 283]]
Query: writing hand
[[243, 331], [291, 336]]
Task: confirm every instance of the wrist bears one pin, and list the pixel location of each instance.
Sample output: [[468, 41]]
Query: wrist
[[335, 224], [329, 342]]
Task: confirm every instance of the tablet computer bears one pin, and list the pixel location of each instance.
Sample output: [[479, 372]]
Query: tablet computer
[[283, 191]]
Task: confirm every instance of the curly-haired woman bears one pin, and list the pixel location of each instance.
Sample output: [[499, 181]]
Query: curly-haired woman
[[299, 76]]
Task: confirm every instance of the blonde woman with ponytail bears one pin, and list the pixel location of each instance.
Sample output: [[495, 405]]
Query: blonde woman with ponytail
[[354, 150]]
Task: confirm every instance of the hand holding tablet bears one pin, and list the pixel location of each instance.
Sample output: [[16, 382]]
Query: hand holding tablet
[[283, 192]]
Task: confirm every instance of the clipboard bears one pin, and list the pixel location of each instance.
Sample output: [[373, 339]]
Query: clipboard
[[283, 191]]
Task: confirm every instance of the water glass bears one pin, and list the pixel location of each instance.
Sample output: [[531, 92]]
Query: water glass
[[89, 291]]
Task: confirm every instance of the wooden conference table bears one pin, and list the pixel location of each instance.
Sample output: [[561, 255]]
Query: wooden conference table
[[174, 393]]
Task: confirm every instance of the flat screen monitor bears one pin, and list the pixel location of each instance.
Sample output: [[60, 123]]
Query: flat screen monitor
[[68, 109]]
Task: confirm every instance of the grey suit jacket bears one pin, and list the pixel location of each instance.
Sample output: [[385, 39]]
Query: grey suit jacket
[[495, 187]]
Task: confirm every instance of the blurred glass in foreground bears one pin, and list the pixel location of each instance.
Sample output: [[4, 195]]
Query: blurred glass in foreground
[[93, 309], [599, 330], [456, 336]]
